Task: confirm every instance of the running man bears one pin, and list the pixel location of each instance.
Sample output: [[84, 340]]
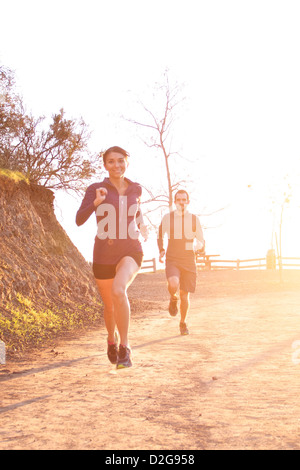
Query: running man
[[118, 252], [185, 236]]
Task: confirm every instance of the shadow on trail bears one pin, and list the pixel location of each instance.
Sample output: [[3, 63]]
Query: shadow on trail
[[16, 375], [162, 340], [67, 363], [22, 403]]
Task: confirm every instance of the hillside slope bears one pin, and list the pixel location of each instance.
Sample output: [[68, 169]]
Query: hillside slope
[[40, 268]]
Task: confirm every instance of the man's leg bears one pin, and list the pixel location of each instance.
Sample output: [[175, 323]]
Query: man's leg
[[173, 286], [184, 308], [173, 278], [187, 285], [184, 305]]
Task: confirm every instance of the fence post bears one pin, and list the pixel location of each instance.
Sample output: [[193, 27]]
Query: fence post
[[2, 352], [154, 265], [271, 259]]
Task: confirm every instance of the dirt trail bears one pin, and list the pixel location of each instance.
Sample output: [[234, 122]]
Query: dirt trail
[[233, 383]]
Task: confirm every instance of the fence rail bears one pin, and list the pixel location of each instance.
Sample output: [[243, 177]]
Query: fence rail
[[149, 264], [211, 262], [284, 264]]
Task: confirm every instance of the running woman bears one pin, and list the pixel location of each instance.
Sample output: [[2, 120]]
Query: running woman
[[184, 232], [118, 252]]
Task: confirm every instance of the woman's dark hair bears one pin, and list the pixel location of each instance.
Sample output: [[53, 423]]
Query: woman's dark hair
[[114, 149]]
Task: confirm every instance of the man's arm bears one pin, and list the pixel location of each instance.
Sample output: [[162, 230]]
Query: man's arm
[[160, 239], [199, 238]]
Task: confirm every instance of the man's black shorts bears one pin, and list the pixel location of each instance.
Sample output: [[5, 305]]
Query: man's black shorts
[[187, 278]]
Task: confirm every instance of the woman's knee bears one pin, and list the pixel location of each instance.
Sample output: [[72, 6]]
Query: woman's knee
[[118, 291]]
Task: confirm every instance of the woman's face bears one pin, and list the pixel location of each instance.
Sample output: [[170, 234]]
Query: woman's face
[[116, 164]]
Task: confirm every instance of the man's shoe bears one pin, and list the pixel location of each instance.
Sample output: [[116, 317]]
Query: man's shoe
[[173, 309], [124, 359], [183, 329]]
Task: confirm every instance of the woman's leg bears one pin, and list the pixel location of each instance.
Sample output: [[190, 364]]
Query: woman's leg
[[105, 289], [127, 269]]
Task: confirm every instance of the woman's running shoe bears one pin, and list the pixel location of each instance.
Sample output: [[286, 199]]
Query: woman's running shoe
[[124, 359], [112, 352]]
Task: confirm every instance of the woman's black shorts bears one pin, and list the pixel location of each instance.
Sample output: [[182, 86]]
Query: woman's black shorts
[[108, 271]]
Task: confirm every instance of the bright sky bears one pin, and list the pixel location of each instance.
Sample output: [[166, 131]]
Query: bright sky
[[239, 128]]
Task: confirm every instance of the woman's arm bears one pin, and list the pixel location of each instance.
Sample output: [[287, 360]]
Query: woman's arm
[[93, 197]]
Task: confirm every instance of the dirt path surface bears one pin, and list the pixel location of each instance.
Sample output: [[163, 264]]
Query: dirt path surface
[[233, 383]]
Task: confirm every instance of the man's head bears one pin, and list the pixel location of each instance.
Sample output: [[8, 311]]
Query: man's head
[[181, 200]]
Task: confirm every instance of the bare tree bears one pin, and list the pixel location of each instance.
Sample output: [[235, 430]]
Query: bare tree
[[160, 124]]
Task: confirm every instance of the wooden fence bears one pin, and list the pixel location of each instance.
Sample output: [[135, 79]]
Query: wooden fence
[[149, 264], [211, 262], [286, 262]]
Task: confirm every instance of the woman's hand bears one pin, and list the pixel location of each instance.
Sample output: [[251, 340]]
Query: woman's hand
[[101, 194], [144, 232]]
